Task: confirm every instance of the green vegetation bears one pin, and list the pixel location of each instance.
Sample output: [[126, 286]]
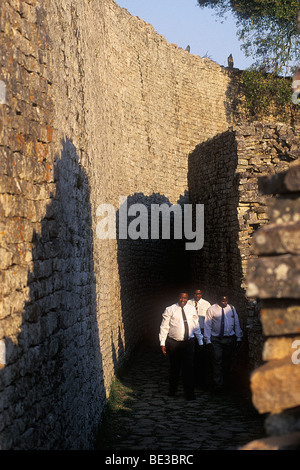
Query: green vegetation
[[113, 426], [269, 33], [267, 30], [267, 93]]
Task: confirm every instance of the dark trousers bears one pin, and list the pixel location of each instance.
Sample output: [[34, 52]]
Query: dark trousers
[[221, 358], [201, 365], [181, 355]]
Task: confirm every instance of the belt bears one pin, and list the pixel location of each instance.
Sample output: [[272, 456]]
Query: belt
[[181, 340]]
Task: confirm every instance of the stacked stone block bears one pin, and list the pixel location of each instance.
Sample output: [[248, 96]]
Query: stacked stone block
[[274, 277], [51, 377], [96, 105]]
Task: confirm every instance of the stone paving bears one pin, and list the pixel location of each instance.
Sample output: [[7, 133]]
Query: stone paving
[[154, 421]]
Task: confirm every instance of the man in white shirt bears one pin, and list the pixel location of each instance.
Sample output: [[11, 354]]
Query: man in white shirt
[[222, 331], [201, 307], [178, 330]]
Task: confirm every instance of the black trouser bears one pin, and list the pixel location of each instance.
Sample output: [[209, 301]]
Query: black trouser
[[181, 356], [222, 355], [201, 368]]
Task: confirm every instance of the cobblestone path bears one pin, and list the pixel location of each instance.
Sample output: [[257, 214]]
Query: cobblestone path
[[153, 421]]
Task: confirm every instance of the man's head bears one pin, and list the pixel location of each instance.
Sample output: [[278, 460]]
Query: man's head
[[183, 298], [197, 294], [223, 301]]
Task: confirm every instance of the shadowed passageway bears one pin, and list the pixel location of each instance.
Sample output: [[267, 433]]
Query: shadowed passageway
[[147, 419]]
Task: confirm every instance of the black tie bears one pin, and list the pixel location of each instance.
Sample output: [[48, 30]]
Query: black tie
[[186, 328], [222, 324]]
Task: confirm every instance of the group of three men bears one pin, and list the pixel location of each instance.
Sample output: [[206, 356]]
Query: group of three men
[[193, 320]]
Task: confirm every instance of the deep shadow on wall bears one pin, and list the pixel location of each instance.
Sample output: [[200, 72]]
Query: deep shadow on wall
[[151, 271], [54, 391], [217, 268], [223, 175], [213, 182]]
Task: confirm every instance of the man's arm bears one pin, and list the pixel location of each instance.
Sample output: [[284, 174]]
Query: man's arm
[[207, 326], [237, 328], [198, 334], [164, 329]]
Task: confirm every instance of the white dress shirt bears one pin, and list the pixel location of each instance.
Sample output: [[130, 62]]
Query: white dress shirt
[[202, 306], [212, 324], [172, 324]]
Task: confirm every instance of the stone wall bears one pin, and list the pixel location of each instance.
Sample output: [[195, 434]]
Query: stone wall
[[223, 175], [274, 276], [94, 105]]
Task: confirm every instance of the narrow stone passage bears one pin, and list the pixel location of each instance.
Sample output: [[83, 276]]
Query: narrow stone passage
[[154, 421]]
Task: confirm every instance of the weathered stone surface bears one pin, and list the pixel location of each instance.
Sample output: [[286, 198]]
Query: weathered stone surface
[[275, 280], [97, 106], [268, 276], [278, 348], [223, 175], [276, 386], [288, 442], [286, 422], [277, 239], [280, 317], [284, 210], [281, 183]]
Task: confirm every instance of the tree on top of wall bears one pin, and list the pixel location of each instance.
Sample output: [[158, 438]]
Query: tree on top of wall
[[269, 33], [267, 29]]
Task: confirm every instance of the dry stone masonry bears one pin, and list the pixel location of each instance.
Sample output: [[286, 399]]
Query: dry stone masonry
[[95, 105], [223, 175], [274, 277]]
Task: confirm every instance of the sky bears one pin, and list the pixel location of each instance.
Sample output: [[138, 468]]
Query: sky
[[183, 22]]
